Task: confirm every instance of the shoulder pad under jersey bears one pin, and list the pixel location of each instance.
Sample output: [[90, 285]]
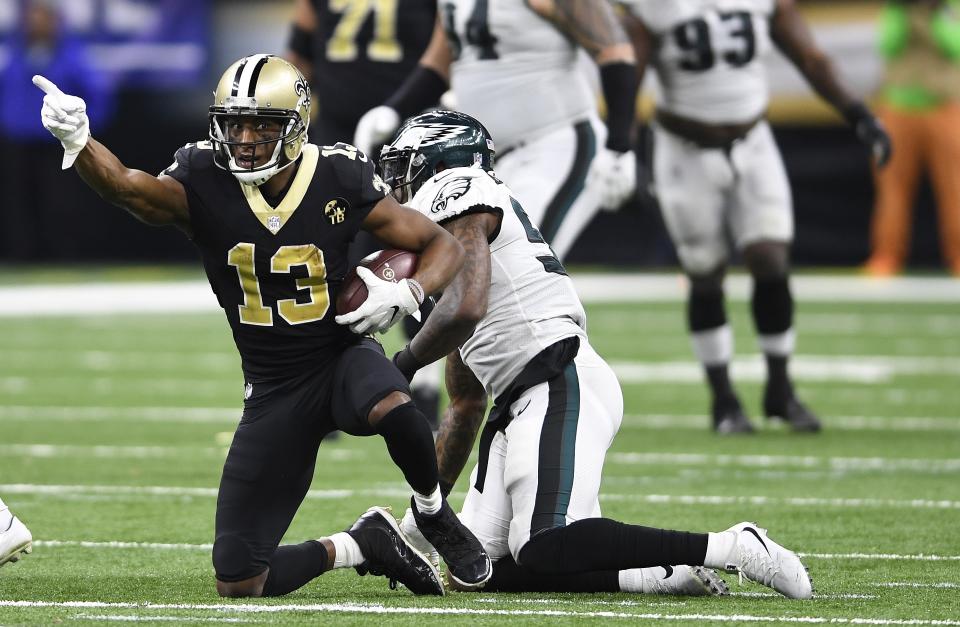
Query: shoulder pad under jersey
[[457, 191]]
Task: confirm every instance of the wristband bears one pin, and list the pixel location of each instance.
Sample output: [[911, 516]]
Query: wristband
[[421, 90], [417, 290], [620, 86], [856, 113], [406, 363]]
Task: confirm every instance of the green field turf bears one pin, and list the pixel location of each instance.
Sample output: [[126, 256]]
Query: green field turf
[[114, 429]]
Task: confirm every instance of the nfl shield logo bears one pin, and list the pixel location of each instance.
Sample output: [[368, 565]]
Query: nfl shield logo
[[273, 223]]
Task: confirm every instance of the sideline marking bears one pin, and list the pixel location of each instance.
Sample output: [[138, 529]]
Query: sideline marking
[[652, 499], [195, 296], [363, 608]]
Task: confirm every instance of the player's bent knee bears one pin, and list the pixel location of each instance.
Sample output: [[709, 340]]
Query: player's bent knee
[[386, 405], [541, 553], [238, 574]]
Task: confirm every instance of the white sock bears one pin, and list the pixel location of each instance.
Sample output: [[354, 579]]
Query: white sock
[[428, 504], [5, 516], [719, 546], [631, 580], [347, 550], [779, 344], [713, 347]]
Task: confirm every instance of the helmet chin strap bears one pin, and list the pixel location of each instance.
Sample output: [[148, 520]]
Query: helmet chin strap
[[258, 177]]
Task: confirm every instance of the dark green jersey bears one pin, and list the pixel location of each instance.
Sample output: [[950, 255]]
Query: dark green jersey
[[276, 270]]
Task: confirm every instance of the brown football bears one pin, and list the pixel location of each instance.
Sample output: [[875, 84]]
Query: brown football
[[389, 265]]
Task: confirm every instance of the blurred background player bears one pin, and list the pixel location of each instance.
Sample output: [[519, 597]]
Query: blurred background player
[[513, 65], [920, 39], [256, 200], [15, 538], [356, 53], [717, 169], [514, 329], [33, 187]]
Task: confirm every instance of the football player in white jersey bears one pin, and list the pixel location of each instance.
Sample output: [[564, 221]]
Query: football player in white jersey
[[514, 64], [718, 170], [515, 330], [15, 538]]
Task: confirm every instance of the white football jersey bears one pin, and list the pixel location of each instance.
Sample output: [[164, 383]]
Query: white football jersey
[[532, 302], [513, 69], [709, 56]]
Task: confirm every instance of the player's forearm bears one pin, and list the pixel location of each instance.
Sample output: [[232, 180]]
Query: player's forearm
[[461, 421], [593, 25], [119, 185], [820, 73], [440, 260]]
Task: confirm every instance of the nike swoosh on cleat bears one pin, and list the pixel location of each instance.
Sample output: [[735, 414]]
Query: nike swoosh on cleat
[[524, 407], [668, 570], [757, 535]]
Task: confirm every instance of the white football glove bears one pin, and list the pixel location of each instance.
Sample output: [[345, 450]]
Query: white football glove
[[387, 303], [65, 117], [376, 127], [614, 177]]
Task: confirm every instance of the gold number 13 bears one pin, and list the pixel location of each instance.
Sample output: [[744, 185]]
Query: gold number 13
[[253, 311]]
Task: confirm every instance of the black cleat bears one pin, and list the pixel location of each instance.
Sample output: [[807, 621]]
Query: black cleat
[[467, 563], [387, 552], [793, 412], [728, 418]]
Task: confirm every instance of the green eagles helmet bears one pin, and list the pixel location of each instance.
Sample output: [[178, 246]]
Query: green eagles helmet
[[430, 142], [273, 94]]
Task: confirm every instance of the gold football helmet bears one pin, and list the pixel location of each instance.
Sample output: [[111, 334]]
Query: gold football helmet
[[259, 117]]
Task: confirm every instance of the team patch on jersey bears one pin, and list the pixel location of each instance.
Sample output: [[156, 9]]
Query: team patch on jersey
[[454, 189], [336, 210]]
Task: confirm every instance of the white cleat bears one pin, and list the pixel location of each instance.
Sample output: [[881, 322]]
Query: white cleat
[[14, 541], [694, 581], [408, 525], [764, 561]]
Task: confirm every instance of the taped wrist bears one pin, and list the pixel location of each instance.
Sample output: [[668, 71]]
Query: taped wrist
[[301, 42], [620, 85], [420, 91]]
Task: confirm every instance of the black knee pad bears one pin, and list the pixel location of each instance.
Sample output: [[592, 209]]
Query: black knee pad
[[706, 310], [233, 560], [772, 305]]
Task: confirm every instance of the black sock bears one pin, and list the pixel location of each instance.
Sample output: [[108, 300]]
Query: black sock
[[293, 565], [509, 577], [410, 443], [719, 379], [603, 544], [778, 381]]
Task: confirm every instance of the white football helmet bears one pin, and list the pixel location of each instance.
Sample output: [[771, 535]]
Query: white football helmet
[[269, 95]]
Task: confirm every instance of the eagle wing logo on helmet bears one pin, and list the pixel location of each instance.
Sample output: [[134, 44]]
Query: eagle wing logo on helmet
[[454, 189]]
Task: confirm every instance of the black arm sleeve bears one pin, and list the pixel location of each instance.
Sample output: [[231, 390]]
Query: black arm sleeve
[[421, 90], [301, 42], [620, 85]]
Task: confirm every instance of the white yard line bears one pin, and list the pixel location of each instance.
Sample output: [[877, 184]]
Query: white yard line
[[196, 297], [135, 618], [914, 584], [231, 415], [787, 461], [107, 452], [179, 546], [378, 609], [118, 492], [700, 422]]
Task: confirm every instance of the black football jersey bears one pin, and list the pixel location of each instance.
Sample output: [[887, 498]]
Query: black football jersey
[[276, 270], [364, 51]]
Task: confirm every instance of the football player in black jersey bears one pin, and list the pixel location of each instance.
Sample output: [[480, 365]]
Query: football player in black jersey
[[356, 54], [272, 217]]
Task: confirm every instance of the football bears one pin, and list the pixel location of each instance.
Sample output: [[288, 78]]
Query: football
[[389, 265]]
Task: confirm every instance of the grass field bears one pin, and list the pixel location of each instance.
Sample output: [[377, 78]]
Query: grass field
[[114, 428]]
